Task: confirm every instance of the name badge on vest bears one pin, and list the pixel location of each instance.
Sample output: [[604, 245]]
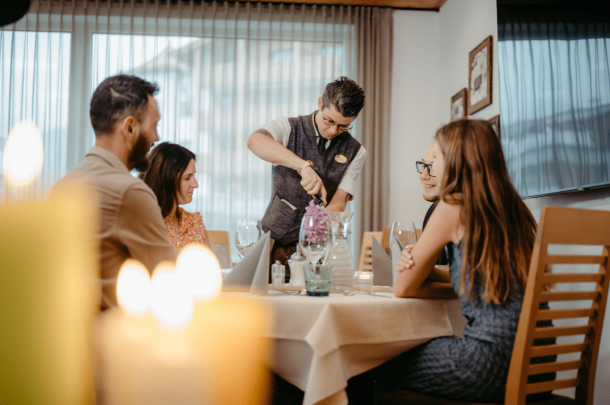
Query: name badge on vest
[[340, 159]]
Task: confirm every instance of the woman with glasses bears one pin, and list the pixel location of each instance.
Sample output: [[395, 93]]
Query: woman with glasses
[[490, 233], [429, 182], [171, 176]]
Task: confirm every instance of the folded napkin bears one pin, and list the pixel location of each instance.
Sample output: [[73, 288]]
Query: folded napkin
[[382, 266], [253, 271]]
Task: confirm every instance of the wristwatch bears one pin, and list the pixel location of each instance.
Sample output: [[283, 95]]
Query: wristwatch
[[304, 165]]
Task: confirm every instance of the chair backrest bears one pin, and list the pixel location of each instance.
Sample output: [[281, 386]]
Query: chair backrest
[[562, 226], [366, 254], [221, 247]]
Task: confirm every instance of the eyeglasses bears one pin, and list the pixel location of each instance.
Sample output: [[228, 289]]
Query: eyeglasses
[[421, 166], [340, 128]]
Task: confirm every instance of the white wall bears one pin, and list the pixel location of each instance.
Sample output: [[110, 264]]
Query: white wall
[[430, 65], [464, 24], [415, 114]]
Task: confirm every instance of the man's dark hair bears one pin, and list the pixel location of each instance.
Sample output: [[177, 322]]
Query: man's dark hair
[[118, 97], [168, 161], [345, 95]]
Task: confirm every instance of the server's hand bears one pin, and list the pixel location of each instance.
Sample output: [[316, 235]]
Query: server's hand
[[312, 183]]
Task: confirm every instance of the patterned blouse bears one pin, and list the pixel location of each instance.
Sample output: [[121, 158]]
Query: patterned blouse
[[191, 229]]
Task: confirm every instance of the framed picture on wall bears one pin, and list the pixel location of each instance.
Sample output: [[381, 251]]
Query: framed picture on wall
[[495, 124], [480, 68], [459, 105]]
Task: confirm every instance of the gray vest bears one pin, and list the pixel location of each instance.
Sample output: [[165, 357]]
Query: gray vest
[[280, 218]]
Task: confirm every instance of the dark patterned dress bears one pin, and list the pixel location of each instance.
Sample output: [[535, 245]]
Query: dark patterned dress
[[471, 368]]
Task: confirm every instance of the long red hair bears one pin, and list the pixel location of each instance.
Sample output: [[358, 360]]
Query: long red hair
[[499, 229]]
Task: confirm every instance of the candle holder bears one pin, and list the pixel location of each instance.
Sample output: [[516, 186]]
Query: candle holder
[[363, 278]]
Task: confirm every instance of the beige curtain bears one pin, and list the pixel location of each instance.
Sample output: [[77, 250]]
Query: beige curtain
[[374, 39]]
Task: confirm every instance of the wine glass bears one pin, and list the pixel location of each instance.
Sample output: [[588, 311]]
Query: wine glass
[[248, 232], [404, 233], [314, 238]]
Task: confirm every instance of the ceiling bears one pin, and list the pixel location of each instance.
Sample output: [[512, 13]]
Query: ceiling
[[432, 5]]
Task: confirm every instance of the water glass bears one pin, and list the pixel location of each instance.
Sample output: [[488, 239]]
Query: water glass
[[248, 232], [317, 279]]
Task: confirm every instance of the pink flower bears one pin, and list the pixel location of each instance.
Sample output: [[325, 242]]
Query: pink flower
[[316, 218]]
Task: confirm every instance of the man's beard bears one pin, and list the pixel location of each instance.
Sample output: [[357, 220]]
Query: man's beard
[[138, 159]]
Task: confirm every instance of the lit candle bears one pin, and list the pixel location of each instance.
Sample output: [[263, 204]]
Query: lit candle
[[22, 162], [363, 278], [48, 300], [228, 332], [173, 340], [146, 363], [147, 356], [23, 154]]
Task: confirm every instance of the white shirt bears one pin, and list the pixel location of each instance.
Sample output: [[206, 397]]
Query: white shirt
[[280, 130]]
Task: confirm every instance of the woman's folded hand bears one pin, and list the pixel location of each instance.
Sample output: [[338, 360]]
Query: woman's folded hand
[[406, 260]]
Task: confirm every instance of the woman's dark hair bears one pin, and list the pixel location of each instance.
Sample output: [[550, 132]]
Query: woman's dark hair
[[168, 161]]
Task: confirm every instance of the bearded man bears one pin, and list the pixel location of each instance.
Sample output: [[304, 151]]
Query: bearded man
[[124, 116]]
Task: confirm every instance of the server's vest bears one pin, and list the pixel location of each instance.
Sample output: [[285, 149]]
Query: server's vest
[[280, 218]]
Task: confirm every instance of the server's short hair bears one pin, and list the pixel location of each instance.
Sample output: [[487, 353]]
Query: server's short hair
[[345, 95]]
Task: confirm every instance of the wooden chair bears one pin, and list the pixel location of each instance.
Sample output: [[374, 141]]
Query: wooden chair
[[366, 254], [221, 247], [562, 226]]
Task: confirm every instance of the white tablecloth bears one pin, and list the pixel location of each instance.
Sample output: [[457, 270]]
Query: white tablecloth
[[321, 342]]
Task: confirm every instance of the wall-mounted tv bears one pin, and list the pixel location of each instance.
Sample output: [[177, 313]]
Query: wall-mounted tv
[[554, 80]]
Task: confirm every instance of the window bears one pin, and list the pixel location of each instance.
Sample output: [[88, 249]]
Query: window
[[37, 92], [220, 80]]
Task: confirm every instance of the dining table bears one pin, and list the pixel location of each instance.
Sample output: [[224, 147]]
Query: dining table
[[319, 343]]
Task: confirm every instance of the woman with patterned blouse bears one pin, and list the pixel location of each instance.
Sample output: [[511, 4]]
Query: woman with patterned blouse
[[171, 176]]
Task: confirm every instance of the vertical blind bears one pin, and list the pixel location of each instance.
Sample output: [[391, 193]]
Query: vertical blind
[[224, 69]]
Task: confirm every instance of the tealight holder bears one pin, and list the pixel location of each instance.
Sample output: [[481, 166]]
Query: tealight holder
[[363, 278]]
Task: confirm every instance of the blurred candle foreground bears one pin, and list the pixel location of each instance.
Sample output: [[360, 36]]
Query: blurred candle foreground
[[48, 298], [23, 154], [148, 358], [145, 363], [228, 332]]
